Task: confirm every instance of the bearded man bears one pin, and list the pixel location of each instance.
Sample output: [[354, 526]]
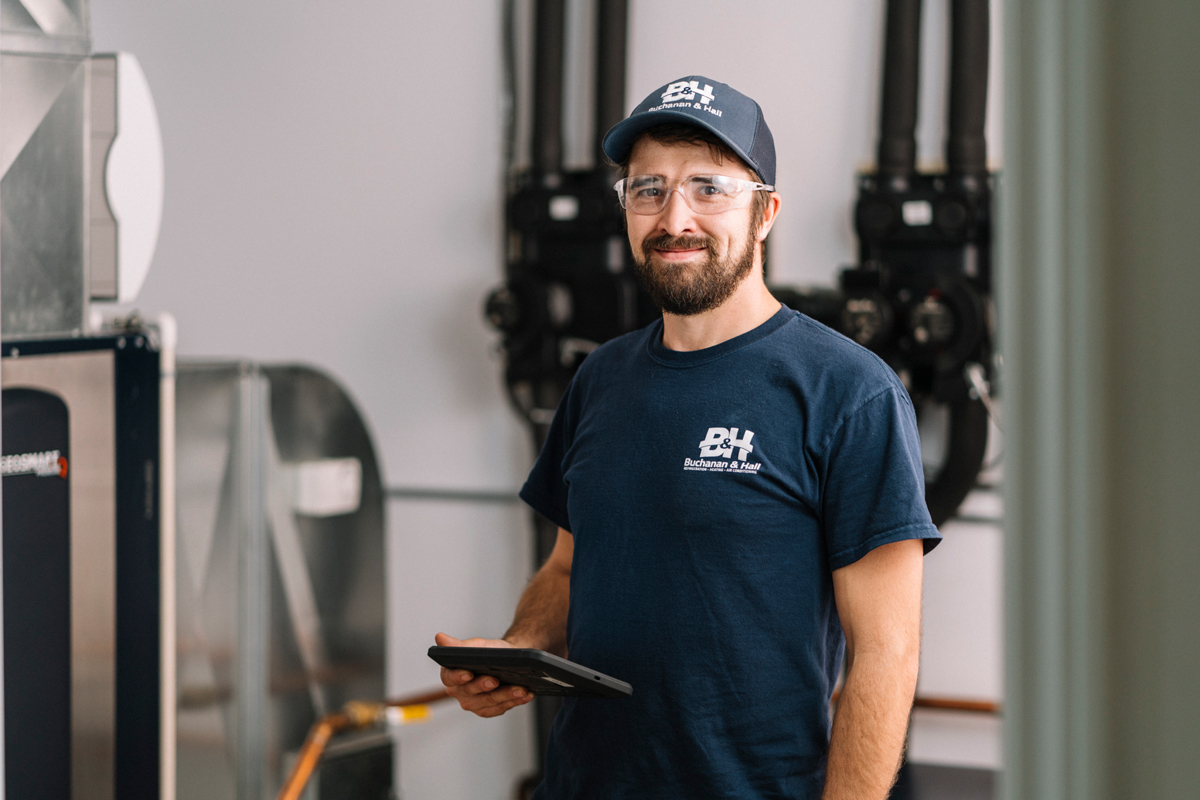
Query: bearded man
[[739, 497]]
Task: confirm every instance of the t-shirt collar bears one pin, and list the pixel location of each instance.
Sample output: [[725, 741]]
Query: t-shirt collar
[[692, 358]]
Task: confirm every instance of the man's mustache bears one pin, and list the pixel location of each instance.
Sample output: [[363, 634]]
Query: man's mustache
[[668, 242]]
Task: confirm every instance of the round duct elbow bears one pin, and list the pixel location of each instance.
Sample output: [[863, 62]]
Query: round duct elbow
[[133, 177]]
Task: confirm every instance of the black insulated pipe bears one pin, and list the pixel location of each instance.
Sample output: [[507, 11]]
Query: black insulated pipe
[[898, 112], [966, 147], [548, 51], [612, 23]]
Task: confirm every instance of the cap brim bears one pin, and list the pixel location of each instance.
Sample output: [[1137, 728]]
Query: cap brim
[[618, 142]]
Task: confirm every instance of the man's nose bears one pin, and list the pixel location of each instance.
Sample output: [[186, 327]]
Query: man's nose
[[677, 215]]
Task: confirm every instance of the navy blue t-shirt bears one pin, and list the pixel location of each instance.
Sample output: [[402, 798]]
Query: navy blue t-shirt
[[710, 495]]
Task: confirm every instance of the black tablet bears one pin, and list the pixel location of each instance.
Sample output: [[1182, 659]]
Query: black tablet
[[536, 670]]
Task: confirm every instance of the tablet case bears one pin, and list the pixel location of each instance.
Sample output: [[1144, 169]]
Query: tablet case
[[540, 672]]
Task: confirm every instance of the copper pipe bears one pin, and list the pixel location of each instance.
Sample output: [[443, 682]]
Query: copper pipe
[[953, 704], [357, 714], [423, 699], [946, 704], [354, 715]]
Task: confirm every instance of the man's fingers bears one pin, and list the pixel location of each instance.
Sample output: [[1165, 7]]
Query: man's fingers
[[497, 710], [455, 677], [480, 685], [501, 696], [483, 695], [505, 702], [464, 688], [496, 701], [478, 642], [446, 640]]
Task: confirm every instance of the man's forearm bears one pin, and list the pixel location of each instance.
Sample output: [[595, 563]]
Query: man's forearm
[[541, 618], [869, 728]]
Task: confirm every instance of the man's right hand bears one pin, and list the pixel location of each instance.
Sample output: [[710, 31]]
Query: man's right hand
[[484, 695]]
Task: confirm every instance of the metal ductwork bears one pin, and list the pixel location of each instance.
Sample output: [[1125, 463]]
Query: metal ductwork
[[280, 589], [81, 167]]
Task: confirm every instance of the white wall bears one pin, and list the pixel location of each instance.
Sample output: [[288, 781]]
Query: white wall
[[333, 196]]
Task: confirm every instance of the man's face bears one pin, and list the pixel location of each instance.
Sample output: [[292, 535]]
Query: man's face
[[688, 262]]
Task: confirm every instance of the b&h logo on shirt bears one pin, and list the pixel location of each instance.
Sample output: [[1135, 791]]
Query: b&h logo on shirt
[[720, 443]]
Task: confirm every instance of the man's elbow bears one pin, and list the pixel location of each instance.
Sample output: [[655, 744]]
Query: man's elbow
[[896, 658]]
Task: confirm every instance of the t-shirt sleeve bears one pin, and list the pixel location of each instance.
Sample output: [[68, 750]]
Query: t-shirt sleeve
[[874, 486], [545, 489]]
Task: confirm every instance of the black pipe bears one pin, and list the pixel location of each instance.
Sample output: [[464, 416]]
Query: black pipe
[[898, 111], [966, 147], [612, 22], [548, 86]]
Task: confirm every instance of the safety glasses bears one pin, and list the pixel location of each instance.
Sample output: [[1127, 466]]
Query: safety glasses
[[704, 194]]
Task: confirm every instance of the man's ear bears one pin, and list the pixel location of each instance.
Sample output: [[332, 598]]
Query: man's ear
[[770, 214]]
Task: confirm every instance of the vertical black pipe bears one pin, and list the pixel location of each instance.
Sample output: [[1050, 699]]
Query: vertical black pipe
[[612, 21], [966, 147], [898, 111], [548, 86]]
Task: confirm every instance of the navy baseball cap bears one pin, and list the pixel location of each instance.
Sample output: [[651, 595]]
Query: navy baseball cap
[[696, 100]]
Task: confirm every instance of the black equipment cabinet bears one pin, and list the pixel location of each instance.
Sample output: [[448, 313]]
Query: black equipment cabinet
[[920, 295], [82, 567], [37, 585], [569, 284]]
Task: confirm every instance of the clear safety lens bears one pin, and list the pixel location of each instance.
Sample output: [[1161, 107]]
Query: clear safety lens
[[704, 194]]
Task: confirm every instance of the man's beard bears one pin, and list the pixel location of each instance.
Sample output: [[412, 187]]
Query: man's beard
[[689, 289]]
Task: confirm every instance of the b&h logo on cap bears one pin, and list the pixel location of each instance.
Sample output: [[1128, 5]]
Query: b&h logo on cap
[[687, 90]]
